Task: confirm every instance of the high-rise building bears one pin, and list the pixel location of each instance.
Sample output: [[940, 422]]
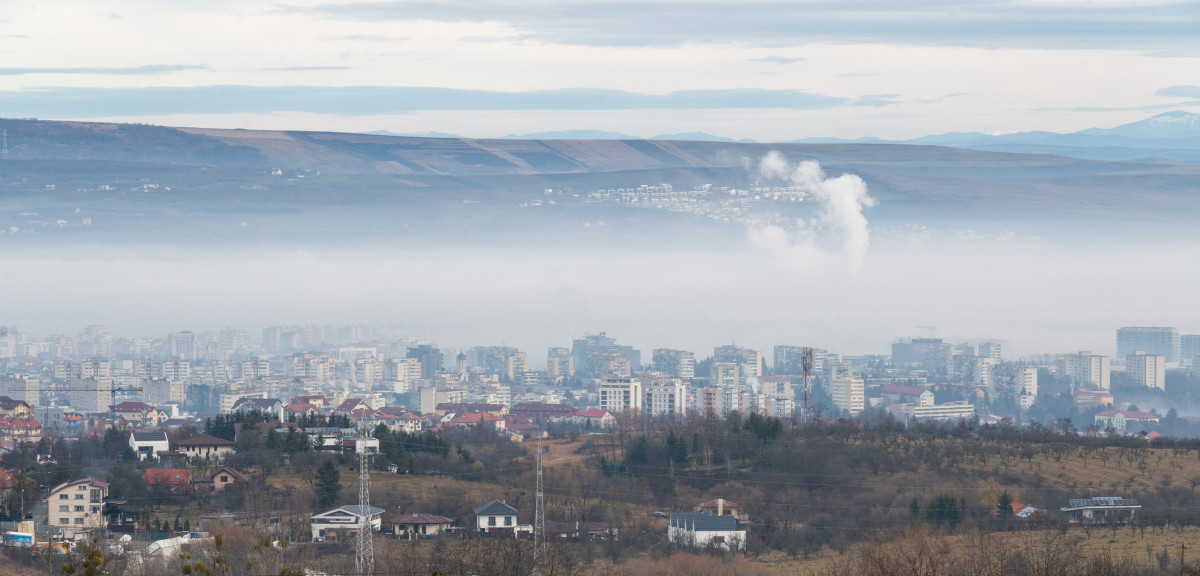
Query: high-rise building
[[181, 345], [788, 360], [678, 363], [751, 359], [989, 350], [21, 387], [725, 374], [595, 355], [560, 363], [921, 353], [1189, 349], [1153, 340], [621, 394], [430, 357], [849, 394], [91, 395], [1085, 370], [666, 397], [1147, 370]]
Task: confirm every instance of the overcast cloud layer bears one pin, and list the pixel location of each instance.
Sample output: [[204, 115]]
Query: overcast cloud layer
[[769, 70]]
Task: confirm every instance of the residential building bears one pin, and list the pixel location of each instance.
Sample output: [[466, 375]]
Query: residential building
[[596, 356], [725, 374], [929, 354], [849, 394], [595, 419], [560, 363], [271, 406], [666, 397], [621, 394], [343, 524], [14, 408], [22, 387], [206, 448], [223, 478], [415, 525], [430, 358], [149, 444], [1146, 370], [496, 517], [704, 530], [1153, 340], [897, 394], [1102, 511], [1121, 420], [162, 391], [677, 363], [139, 414], [172, 477], [182, 345], [1189, 349], [1086, 370], [75, 507], [406, 370], [1085, 399], [959, 410], [989, 350], [92, 395], [751, 360]]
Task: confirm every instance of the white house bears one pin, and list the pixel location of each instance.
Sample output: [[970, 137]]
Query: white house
[[702, 530], [75, 507], [149, 444], [206, 448], [343, 523], [1121, 419], [496, 516]]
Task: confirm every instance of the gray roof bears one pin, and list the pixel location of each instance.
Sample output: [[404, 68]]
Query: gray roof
[[359, 510], [1103, 502], [149, 436], [495, 508], [702, 522]]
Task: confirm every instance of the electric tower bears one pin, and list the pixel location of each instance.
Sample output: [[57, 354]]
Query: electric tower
[[364, 559]]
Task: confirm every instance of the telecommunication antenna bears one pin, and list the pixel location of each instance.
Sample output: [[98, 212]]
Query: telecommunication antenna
[[539, 511], [806, 362], [364, 559]]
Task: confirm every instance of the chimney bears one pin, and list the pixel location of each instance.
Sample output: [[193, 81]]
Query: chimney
[[720, 506]]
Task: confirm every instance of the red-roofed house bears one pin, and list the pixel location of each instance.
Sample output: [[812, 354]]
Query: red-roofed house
[[139, 414], [519, 424], [168, 476], [17, 429], [223, 478], [596, 418], [1121, 419], [479, 419], [302, 409], [7, 480], [543, 412], [318, 401], [460, 408]]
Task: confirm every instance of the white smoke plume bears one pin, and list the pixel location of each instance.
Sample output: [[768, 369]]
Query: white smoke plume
[[842, 199]]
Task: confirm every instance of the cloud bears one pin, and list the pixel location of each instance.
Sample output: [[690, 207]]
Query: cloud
[[67, 102], [876, 100], [842, 202], [1163, 25], [777, 60], [1179, 92], [308, 68], [122, 71]]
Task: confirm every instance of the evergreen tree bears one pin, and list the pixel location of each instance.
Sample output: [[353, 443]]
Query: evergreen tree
[[328, 484]]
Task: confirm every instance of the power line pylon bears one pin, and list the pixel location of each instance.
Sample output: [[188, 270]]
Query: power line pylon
[[364, 559], [539, 512], [806, 364]]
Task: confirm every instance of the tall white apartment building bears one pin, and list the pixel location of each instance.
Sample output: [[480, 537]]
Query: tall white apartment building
[[619, 394], [182, 345], [91, 395], [1147, 370], [95, 368], [24, 388], [849, 393], [666, 397], [1086, 370]]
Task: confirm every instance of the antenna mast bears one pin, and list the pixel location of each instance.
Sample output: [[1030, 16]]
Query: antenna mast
[[364, 559], [806, 362], [539, 512]]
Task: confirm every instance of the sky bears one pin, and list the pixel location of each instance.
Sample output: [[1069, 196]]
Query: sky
[[763, 69]]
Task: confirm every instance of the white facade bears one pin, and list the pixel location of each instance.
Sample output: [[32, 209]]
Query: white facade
[[77, 506], [619, 394], [849, 394], [667, 398], [1147, 370], [344, 520], [703, 530], [1086, 369]]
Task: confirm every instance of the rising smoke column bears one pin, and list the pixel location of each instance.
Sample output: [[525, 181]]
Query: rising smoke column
[[842, 199]]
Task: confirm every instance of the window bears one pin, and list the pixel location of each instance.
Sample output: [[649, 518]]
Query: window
[[491, 520], [95, 508], [508, 520], [64, 508], [79, 520], [224, 479], [79, 496], [63, 496], [64, 520], [79, 508]]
